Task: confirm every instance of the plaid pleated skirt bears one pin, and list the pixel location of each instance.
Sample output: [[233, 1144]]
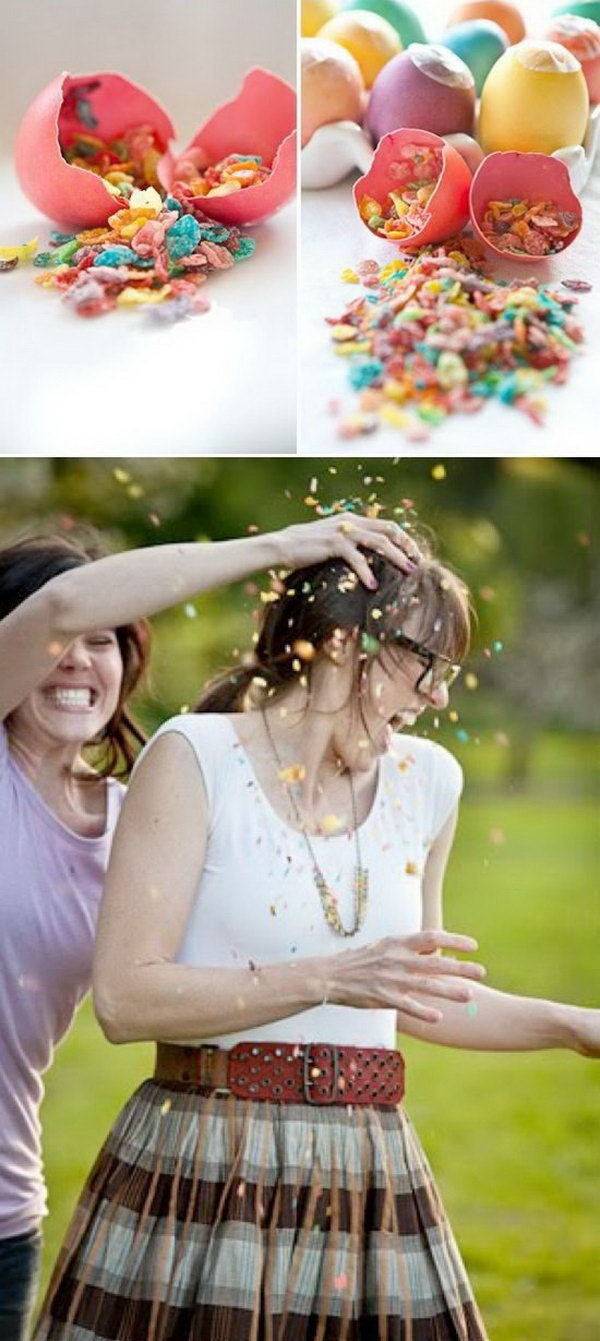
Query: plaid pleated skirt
[[212, 1218]]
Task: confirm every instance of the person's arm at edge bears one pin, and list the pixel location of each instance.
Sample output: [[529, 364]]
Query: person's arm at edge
[[492, 1020]]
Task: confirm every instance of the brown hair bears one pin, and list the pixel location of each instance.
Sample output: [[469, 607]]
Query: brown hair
[[313, 602], [25, 566]]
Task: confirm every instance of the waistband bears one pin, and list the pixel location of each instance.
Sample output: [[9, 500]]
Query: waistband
[[305, 1073]]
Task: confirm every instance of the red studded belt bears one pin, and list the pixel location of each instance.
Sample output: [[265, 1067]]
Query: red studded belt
[[307, 1073]]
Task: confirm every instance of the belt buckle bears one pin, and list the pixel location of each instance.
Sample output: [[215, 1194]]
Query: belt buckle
[[308, 1081]]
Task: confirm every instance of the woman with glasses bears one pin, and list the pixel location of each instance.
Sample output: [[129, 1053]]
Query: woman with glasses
[[73, 645], [272, 915]]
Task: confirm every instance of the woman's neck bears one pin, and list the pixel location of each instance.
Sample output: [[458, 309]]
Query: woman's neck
[[323, 744]]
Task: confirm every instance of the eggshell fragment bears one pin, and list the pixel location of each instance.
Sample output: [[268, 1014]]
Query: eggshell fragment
[[69, 195], [261, 119]]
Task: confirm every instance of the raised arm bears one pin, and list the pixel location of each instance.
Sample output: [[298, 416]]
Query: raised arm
[[124, 587], [494, 1021]]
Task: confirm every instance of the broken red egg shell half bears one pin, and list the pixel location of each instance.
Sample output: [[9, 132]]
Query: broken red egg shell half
[[260, 120], [515, 176], [70, 195], [446, 211]]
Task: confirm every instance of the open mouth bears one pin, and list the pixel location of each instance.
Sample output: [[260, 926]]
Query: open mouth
[[70, 699]]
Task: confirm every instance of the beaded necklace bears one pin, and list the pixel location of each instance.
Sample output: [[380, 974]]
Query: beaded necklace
[[361, 875]]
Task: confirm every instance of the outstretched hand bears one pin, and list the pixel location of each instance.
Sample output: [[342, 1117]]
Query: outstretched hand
[[341, 535]]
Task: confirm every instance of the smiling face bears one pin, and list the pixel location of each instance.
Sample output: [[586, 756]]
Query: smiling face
[[397, 687], [77, 699]]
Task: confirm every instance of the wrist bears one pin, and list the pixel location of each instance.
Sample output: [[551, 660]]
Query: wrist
[[560, 1025]]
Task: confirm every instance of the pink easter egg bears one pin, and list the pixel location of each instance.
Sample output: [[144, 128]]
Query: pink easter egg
[[427, 86], [109, 104], [448, 207], [260, 120], [515, 176]]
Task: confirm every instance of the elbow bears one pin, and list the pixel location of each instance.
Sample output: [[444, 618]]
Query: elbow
[[112, 1016], [64, 611]]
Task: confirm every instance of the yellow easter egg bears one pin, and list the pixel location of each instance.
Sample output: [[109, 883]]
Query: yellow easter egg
[[314, 13], [370, 39], [535, 99]]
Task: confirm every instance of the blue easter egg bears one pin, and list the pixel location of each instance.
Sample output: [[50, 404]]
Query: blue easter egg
[[479, 43]]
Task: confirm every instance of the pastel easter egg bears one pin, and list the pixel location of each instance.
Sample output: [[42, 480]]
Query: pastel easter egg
[[526, 178], [427, 86], [314, 13], [479, 43], [506, 15], [371, 40], [407, 24], [332, 85], [447, 208], [103, 105], [535, 99], [260, 119], [582, 38], [588, 9]]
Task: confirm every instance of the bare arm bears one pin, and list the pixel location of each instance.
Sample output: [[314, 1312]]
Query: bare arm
[[139, 991], [124, 587], [494, 1021]]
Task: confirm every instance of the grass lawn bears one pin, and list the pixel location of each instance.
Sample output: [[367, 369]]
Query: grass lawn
[[513, 1139]]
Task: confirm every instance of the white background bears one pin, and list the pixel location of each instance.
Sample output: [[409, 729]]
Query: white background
[[333, 238], [221, 382]]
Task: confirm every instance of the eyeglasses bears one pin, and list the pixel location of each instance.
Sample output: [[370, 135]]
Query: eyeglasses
[[438, 669]]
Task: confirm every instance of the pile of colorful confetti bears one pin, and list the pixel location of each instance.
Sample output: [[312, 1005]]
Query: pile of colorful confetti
[[150, 252], [434, 336], [404, 210], [527, 227]]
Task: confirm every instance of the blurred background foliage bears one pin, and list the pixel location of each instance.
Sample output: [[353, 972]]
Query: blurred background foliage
[[518, 530], [512, 1137]]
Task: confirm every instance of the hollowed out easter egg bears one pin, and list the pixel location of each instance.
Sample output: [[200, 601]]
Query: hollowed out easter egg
[[534, 99], [522, 181], [506, 15], [479, 43], [371, 40], [416, 191], [332, 85], [314, 13], [100, 106], [407, 24], [261, 120], [426, 86], [582, 38], [589, 9]]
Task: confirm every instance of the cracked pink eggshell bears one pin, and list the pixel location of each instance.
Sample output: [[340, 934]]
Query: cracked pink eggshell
[[260, 120], [513, 175], [448, 206], [68, 195]]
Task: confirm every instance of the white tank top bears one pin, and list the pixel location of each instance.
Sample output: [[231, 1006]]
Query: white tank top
[[256, 901]]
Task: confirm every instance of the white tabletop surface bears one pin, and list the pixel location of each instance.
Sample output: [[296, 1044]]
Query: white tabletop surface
[[333, 238], [224, 382]]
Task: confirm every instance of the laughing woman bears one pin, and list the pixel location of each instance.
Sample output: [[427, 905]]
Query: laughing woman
[[72, 650], [274, 890]]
